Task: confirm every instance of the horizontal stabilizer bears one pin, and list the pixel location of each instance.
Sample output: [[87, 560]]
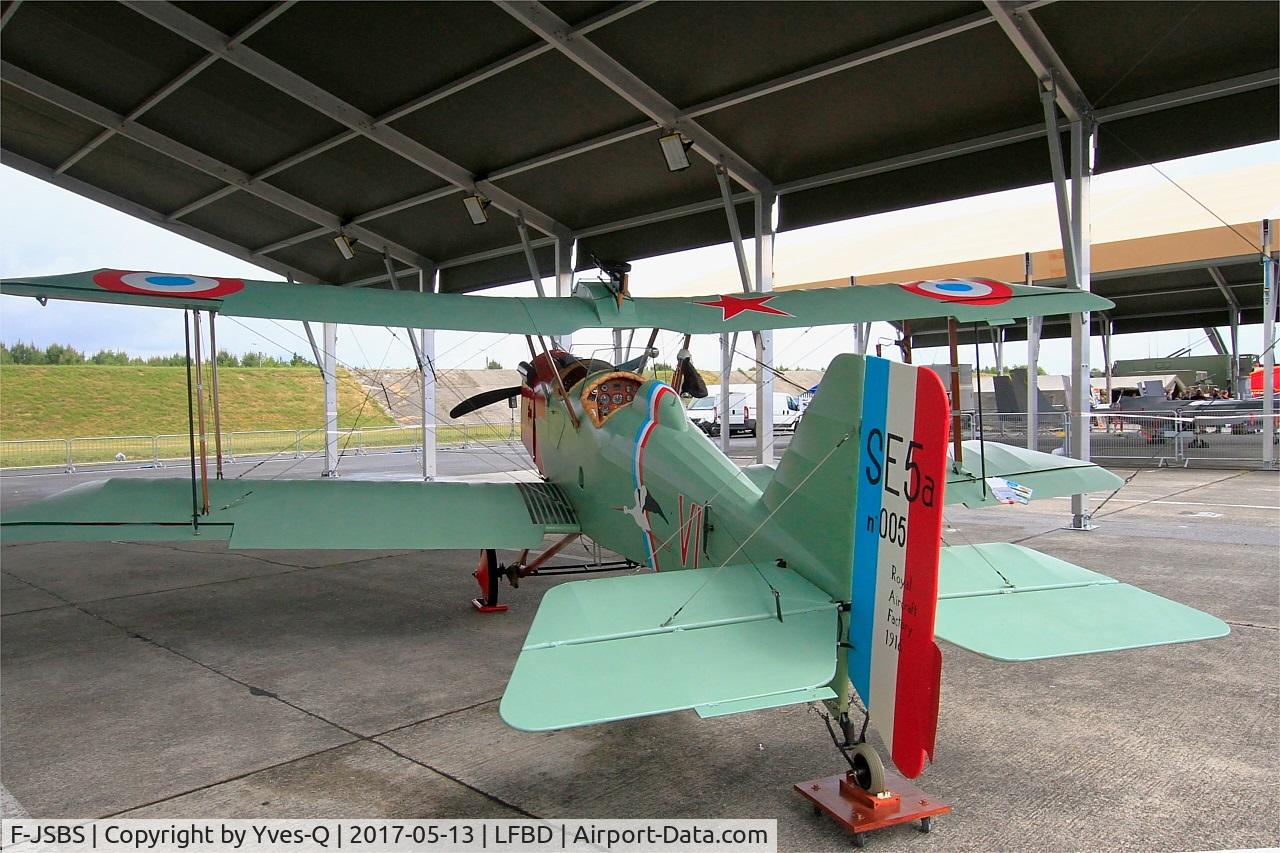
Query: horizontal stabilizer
[[1013, 604], [314, 514], [1047, 475], [609, 649]]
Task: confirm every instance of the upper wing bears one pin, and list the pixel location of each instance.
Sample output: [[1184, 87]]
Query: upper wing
[[319, 514], [1047, 475], [592, 307]]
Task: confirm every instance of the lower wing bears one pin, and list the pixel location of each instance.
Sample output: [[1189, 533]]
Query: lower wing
[[1044, 474], [312, 514]]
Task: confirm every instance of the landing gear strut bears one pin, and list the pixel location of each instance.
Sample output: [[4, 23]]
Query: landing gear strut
[[489, 573], [868, 796]]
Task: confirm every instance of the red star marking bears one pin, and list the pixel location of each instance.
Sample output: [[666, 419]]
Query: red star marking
[[732, 306]]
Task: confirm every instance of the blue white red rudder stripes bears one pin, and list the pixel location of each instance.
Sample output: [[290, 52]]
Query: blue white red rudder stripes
[[894, 664]]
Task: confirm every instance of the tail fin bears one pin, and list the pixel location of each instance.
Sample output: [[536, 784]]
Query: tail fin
[[1008, 400], [861, 486], [1018, 376]]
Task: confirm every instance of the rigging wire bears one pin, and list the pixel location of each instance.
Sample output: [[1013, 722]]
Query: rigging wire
[[1147, 162], [759, 526], [520, 462]]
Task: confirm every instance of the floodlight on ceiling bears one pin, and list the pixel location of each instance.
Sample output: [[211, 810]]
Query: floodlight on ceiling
[[477, 208], [345, 245], [675, 148]]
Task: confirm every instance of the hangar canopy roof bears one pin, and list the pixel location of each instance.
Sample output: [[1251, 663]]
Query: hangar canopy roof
[[263, 129], [1187, 280]]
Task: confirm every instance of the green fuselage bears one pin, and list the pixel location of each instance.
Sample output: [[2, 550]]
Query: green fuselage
[[647, 466]]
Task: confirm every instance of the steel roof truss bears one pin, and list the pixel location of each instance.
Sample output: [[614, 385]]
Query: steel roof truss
[[326, 103], [599, 64], [409, 107], [194, 159], [1218, 279], [177, 83], [146, 214], [1030, 41]]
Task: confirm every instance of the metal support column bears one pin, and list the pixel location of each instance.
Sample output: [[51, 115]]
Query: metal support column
[[861, 331], [1033, 365], [1106, 352], [1082, 142], [311, 339], [528, 254], [735, 231], [428, 378], [217, 403], [204, 446], [766, 205], [1269, 264], [726, 363], [1234, 313], [330, 369], [1235, 353], [565, 249], [997, 347]]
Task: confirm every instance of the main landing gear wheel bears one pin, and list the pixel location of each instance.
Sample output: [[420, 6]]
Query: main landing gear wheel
[[868, 769]]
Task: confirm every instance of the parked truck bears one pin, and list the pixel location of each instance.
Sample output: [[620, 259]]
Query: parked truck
[[705, 413]]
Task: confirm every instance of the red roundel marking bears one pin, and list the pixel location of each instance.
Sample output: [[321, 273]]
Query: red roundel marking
[[969, 291], [167, 284]]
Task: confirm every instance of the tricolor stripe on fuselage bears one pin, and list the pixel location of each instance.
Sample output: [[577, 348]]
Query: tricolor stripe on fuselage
[[654, 396], [893, 663]]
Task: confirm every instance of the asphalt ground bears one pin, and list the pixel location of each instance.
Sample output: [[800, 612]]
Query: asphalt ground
[[168, 680]]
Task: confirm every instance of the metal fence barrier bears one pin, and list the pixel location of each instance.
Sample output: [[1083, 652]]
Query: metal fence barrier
[[1119, 439], [155, 451], [1129, 439]]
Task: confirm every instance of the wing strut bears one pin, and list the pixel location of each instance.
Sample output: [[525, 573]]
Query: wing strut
[[191, 424]]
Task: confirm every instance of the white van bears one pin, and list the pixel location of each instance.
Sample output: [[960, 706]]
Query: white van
[[705, 413]]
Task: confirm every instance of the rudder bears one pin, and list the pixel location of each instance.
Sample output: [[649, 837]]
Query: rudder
[[862, 487]]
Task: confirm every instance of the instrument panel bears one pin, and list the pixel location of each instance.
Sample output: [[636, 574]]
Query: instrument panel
[[606, 394]]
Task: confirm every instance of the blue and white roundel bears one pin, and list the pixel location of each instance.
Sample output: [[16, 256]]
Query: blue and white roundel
[[972, 291], [167, 284]]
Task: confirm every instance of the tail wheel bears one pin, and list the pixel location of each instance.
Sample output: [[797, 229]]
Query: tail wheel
[[868, 769]]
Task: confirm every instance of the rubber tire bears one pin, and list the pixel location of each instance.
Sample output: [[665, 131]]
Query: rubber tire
[[874, 765], [926, 824], [859, 839]]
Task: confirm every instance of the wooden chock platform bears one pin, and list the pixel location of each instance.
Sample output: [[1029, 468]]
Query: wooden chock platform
[[860, 812]]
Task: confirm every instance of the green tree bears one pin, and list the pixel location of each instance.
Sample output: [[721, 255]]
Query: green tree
[[299, 361], [109, 356], [25, 353], [493, 365]]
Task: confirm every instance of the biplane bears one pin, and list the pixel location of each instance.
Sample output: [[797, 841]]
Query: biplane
[[823, 579]]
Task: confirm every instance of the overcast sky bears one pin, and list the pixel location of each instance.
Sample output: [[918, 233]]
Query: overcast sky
[[48, 230]]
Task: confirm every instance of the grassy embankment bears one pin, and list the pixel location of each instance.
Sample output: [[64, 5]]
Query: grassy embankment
[[75, 401]]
